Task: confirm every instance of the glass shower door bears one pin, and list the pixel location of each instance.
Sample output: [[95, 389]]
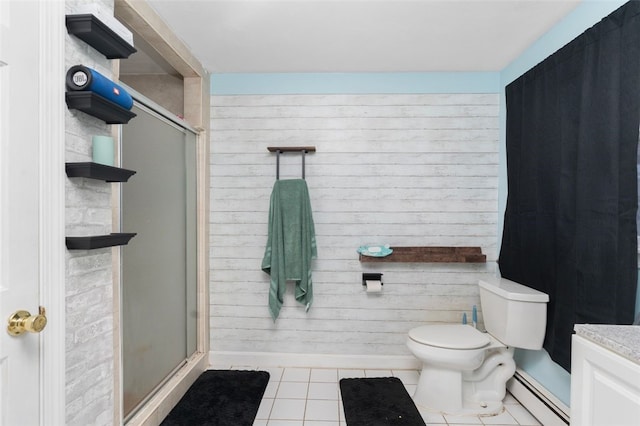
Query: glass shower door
[[159, 265]]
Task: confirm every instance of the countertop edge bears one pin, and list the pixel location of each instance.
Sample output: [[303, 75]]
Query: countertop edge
[[624, 340]]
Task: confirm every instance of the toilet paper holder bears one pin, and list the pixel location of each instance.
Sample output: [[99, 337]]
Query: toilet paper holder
[[371, 277]]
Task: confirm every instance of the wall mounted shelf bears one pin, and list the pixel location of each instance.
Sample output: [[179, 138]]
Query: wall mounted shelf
[[431, 255], [280, 149], [98, 171], [95, 33], [99, 241], [291, 148], [93, 104]]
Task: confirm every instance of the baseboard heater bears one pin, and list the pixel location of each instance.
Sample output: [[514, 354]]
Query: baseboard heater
[[537, 400]]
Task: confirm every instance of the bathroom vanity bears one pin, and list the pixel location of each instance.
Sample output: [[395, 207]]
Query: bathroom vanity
[[605, 375]]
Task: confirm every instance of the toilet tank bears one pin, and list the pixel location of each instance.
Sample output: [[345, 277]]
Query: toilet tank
[[513, 313]]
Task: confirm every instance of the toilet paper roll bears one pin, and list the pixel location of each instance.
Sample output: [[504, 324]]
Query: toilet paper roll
[[374, 286]]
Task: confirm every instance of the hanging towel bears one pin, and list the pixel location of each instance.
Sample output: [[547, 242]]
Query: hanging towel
[[291, 243]]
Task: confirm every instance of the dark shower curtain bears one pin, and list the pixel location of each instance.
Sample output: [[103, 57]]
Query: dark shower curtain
[[572, 138]]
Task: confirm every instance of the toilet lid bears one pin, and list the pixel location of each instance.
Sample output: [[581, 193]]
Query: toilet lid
[[451, 336]]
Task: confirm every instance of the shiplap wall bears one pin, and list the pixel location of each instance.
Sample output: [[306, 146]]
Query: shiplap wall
[[407, 170]]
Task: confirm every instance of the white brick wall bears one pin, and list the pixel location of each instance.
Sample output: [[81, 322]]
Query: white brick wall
[[400, 169], [89, 289]]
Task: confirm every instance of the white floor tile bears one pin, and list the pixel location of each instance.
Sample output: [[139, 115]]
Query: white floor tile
[[260, 422], [292, 390], [285, 423], [275, 373], [350, 373], [296, 374], [431, 418], [321, 410], [288, 409], [466, 424], [408, 377], [503, 418], [244, 367], [323, 391], [325, 375], [320, 423], [265, 408], [523, 417], [462, 420], [378, 373], [272, 388], [411, 389], [220, 367]]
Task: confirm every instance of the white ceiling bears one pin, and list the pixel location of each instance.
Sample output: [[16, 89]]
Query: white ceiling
[[359, 35]]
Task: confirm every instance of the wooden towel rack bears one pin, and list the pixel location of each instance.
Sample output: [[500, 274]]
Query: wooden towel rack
[[431, 254], [280, 149]]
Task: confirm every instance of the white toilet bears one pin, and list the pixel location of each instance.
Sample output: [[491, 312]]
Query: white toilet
[[465, 371]]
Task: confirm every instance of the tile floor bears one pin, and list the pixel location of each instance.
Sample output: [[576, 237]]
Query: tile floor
[[311, 397]]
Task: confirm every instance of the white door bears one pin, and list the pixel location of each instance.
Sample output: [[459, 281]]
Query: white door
[[25, 225]]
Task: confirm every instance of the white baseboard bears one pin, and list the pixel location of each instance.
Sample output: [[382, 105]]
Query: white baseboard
[[224, 359], [548, 409]]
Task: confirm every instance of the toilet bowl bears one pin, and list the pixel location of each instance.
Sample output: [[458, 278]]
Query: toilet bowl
[[465, 371]]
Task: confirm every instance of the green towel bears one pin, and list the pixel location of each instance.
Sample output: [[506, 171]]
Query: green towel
[[291, 243]]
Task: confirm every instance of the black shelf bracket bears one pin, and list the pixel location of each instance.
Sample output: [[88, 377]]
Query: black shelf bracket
[[98, 171], [99, 241], [95, 33]]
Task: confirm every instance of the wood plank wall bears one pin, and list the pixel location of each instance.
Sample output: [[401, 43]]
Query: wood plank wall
[[408, 170]]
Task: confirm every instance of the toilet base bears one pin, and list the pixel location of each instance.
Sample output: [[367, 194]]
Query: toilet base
[[440, 391], [477, 392]]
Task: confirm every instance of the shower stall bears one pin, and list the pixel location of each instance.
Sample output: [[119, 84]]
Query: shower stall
[[158, 297]]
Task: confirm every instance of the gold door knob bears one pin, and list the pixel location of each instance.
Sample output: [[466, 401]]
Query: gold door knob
[[22, 321]]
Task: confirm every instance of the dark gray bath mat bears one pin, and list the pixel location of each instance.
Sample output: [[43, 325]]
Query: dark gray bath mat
[[379, 401], [220, 398]]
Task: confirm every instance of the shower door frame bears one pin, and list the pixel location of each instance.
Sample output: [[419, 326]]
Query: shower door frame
[[169, 393]]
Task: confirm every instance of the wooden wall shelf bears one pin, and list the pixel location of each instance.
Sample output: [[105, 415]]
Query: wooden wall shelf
[[431, 255]]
